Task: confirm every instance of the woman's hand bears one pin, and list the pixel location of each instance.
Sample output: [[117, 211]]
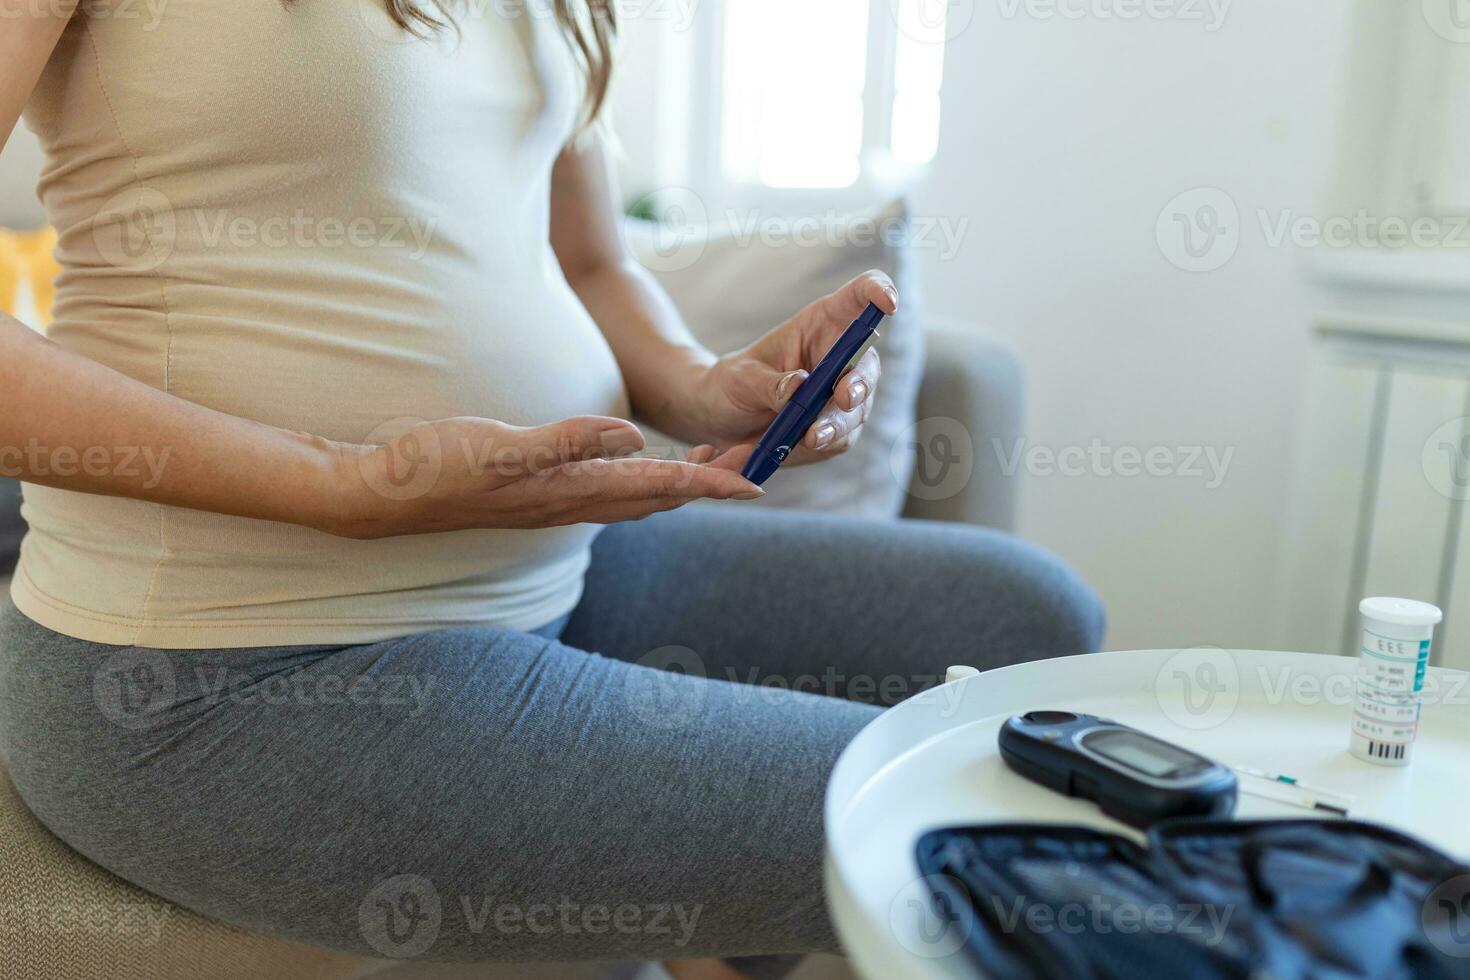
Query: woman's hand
[[739, 395], [463, 473], [673, 382]]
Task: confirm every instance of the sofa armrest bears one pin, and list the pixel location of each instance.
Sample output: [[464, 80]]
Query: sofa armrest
[[973, 395]]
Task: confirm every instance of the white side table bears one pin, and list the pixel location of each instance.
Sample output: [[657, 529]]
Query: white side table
[[933, 762]]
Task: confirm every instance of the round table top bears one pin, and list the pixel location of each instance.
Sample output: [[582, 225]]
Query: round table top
[[932, 762]]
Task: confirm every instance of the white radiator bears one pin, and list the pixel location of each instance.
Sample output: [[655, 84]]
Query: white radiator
[[1382, 479]]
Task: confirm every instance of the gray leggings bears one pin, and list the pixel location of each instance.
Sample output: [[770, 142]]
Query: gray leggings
[[490, 794]]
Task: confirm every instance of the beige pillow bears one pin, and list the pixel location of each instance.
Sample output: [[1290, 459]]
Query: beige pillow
[[734, 284]]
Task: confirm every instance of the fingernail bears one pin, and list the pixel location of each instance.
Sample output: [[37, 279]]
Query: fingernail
[[789, 383], [750, 494], [892, 295], [859, 391], [825, 432]]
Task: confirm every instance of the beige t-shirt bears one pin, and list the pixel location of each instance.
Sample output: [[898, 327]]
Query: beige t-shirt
[[300, 215]]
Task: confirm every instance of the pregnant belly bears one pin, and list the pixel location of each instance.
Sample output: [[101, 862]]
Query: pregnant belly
[[344, 363], [349, 370]]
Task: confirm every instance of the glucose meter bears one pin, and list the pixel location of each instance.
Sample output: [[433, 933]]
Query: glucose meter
[[1134, 777]]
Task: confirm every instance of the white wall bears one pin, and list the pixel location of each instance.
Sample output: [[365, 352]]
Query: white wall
[[1063, 141]]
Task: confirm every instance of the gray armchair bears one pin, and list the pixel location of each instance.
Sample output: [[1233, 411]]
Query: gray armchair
[[69, 929], [973, 376]]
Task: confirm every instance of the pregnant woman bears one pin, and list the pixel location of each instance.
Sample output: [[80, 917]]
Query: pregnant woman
[[314, 630]]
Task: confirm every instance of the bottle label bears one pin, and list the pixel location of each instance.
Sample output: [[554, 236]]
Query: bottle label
[[1389, 689], [1392, 666]]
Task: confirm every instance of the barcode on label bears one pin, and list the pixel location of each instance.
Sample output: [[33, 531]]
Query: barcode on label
[[1387, 750]]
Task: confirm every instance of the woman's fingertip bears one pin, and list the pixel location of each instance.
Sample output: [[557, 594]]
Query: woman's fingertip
[[884, 286], [745, 490]]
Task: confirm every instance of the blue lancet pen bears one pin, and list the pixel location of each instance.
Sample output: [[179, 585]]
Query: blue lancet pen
[[809, 400]]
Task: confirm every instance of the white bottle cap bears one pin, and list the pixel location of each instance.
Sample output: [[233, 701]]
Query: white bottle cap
[[959, 673], [1400, 612]]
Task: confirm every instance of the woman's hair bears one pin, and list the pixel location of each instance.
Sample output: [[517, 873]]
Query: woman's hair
[[590, 25]]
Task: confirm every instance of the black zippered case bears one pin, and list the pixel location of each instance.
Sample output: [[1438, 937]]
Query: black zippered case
[[1206, 899]]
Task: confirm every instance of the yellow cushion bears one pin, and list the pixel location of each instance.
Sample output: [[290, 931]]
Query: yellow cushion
[[10, 270], [28, 257]]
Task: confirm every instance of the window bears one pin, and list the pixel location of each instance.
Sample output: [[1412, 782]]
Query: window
[[826, 93], [793, 91], [791, 103]]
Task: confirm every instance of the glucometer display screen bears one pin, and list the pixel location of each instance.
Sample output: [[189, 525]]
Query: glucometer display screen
[[1137, 751]]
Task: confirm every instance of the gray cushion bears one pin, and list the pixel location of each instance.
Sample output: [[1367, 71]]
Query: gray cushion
[[734, 284]]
